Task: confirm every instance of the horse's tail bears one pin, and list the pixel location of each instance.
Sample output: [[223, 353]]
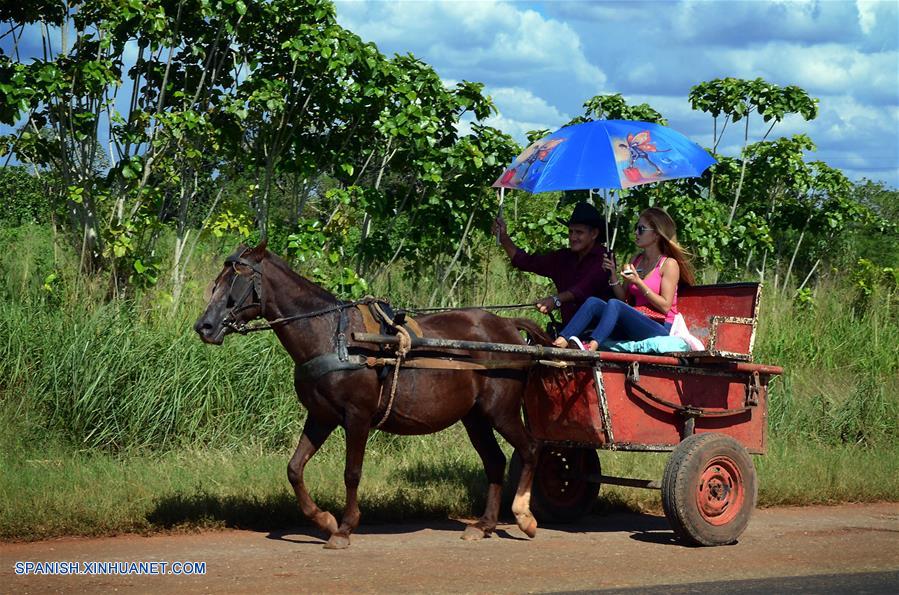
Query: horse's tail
[[536, 333]]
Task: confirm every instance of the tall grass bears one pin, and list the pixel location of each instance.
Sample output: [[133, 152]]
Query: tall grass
[[132, 374], [123, 396], [841, 380]]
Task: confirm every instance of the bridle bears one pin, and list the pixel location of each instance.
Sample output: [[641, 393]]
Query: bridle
[[245, 286]]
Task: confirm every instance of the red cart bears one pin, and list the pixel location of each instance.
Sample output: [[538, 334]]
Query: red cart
[[709, 409]]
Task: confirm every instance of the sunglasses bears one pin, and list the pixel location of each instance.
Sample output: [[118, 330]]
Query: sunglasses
[[640, 229]]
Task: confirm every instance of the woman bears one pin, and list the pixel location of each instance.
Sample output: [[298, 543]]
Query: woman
[[654, 296]]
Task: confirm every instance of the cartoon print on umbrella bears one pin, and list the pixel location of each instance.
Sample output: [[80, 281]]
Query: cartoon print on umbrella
[[639, 146], [537, 152]]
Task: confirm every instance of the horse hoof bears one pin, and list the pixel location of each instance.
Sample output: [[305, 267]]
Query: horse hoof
[[528, 525], [473, 533], [326, 522], [338, 542]]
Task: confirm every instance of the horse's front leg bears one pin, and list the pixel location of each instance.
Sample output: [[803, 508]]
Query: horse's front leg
[[521, 503], [357, 429], [314, 435]]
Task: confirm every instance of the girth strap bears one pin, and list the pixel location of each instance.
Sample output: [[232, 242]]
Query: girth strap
[[329, 362]]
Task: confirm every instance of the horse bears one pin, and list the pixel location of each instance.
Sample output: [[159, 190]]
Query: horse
[[314, 326]]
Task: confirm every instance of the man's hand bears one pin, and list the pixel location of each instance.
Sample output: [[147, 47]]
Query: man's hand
[[499, 227], [546, 305], [608, 263]]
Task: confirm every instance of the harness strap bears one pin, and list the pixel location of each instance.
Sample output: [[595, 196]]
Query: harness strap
[[326, 363], [405, 344], [342, 323]]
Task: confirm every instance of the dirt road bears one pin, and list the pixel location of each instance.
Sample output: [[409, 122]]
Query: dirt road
[[615, 551]]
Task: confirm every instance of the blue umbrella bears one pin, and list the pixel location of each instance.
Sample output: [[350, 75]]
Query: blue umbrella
[[605, 154]]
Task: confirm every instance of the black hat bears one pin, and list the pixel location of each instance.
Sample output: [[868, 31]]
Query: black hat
[[584, 214]]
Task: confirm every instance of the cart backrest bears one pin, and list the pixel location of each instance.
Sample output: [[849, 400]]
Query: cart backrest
[[722, 316]]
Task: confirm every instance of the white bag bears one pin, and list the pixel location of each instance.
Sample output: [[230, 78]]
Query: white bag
[[679, 329]]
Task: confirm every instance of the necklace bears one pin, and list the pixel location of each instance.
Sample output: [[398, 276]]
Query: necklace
[[642, 258]]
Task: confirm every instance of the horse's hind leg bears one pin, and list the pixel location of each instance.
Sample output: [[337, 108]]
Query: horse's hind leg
[[314, 435], [480, 432], [512, 429]]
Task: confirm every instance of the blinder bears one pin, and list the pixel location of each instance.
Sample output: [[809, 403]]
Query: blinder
[[242, 288]]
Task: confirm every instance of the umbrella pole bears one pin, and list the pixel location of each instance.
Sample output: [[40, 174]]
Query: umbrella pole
[[614, 229], [502, 196], [607, 209]]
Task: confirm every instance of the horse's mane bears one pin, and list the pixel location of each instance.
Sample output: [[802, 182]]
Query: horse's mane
[[309, 286]]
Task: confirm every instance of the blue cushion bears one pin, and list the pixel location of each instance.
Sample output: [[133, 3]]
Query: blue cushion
[[664, 344]]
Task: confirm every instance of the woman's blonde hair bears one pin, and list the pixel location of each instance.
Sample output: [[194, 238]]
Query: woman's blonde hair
[[666, 229]]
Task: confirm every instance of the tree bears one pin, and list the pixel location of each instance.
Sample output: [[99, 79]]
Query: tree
[[875, 238], [738, 99]]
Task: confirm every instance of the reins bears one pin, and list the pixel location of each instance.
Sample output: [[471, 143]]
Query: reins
[[462, 308], [244, 328]]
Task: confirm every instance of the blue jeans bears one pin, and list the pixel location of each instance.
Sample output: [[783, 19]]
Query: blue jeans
[[615, 319]]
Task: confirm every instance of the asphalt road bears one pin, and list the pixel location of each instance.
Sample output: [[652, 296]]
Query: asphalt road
[[840, 549]]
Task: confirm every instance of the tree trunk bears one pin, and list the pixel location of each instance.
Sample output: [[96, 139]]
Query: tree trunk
[[733, 208], [449, 267], [793, 259]]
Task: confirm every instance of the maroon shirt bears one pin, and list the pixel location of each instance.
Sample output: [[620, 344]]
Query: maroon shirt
[[582, 278]]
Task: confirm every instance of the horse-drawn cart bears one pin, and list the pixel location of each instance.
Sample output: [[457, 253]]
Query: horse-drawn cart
[[708, 408]]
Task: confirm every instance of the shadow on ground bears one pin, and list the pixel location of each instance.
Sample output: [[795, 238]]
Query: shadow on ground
[[280, 516]]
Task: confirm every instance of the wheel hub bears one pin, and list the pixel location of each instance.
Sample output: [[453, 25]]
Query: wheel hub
[[719, 495]]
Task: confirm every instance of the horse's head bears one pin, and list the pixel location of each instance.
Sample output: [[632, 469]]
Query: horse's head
[[237, 295]]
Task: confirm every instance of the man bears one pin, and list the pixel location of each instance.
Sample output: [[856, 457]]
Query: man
[[576, 271]]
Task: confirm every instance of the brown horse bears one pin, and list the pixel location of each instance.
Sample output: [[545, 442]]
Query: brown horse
[[314, 327]]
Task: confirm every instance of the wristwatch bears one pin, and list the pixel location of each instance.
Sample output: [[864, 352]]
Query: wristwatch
[[556, 301]]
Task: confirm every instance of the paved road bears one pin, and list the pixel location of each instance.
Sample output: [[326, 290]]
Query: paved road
[[851, 548]]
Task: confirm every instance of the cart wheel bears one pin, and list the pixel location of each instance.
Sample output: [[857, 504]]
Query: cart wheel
[[709, 489], [561, 491]]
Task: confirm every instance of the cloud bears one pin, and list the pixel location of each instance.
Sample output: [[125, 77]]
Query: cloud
[[744, 24], [493, 42], [828, 69], [520, 111], [867, 16], [522, 104]]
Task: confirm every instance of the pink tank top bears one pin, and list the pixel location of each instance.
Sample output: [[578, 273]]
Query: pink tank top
[[654, 282]]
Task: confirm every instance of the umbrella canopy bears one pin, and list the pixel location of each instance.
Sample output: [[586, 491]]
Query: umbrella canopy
[[605, 154]]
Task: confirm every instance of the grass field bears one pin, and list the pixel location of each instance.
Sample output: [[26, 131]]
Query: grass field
[[114, 417]]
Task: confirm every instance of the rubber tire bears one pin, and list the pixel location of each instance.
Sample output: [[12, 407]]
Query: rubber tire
[[554, 499], [710, 456]]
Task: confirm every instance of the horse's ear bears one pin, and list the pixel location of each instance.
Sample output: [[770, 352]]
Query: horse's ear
[[258, 251]]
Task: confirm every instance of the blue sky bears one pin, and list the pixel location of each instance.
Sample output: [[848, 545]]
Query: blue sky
[[541, 60]]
